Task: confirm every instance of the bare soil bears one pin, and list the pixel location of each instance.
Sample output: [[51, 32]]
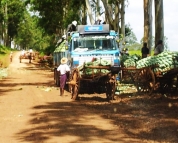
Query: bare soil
[[31, 111]]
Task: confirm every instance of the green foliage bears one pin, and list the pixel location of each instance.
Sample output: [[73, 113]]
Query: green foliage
[[16, 9], [135, 46], [137, 52], [49, 50], [128, 30], [56, 14], [4, 55]]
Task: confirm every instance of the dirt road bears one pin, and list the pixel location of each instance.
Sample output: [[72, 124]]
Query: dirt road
[[31, 111]]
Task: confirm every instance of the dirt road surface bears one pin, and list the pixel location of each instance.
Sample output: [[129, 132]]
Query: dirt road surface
[[31, 111]]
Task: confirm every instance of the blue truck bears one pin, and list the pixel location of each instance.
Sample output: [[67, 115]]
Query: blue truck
[[90, 44]]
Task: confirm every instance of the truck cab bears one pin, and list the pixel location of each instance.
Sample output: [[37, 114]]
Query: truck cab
[[93, 41]]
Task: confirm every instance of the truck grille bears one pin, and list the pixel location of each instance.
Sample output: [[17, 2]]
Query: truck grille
[[89, 58]]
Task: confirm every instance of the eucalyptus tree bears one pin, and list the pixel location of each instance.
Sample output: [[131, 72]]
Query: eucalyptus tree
[[4, 21], [16, 10], [31, 36], [159, 21], [12, 13], [24, 36], [56, 15], [148, 23]]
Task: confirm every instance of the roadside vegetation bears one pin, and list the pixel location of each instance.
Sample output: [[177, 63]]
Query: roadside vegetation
[[5, 56]]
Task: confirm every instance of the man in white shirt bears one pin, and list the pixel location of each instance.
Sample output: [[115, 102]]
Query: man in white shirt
[[63, 69]]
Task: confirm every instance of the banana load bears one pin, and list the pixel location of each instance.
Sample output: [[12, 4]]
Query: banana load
[[162, 62], [95, 62], [129, 60]]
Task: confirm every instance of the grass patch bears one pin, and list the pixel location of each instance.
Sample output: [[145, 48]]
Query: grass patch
[[4, 60], [5, 56], [138, 52]]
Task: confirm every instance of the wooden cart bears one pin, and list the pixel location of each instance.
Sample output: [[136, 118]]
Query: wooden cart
[[167, 82], [143, 79], [148, 81], [80, 81]]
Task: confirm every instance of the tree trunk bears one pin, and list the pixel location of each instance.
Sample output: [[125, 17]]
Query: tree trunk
[[5, 26], [148, 23], [122, 21], [84, 15], [159, 21], [109, 13], [97, 10], [89, 11]]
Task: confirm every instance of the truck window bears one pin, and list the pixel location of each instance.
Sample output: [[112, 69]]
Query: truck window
[[94, 43]]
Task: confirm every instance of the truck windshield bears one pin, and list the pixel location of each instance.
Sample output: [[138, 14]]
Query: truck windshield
[[94, 43]]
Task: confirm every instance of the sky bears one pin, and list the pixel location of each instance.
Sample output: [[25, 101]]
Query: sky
[[134, 16]]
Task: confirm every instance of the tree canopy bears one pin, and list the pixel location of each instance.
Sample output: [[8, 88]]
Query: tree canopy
[[39, 24]]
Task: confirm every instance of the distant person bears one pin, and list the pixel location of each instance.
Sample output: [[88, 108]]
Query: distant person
[[159, 48], [98, 22], [145, 50], [127, 51], [11, 54], [71, 27], [63, 69], [30, 57], [22, 52], [61, 40]]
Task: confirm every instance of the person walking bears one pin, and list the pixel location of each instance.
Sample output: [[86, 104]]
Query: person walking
[[159, 48], [145, 50], [63, 69], [11, 54]]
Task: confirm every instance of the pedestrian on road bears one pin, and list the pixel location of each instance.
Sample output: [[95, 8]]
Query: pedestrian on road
[[11, 54], [145, 50], [159, 48], [63, 69]]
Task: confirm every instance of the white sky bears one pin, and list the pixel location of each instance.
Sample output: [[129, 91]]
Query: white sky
[[134, 16]]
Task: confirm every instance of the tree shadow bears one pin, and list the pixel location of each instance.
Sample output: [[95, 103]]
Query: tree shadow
[[62, 119], [132, 120]]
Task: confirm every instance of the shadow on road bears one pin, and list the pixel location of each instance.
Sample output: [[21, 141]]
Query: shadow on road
[[134, 118]]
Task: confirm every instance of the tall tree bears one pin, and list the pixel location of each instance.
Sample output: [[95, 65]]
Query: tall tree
[[89, 11], [112, 13], [11, 15], [122, 21], [159, 21], [148, 23]]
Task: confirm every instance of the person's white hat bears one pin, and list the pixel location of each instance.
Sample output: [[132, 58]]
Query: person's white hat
[[64, 60], [74, 23], [64, 36]]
